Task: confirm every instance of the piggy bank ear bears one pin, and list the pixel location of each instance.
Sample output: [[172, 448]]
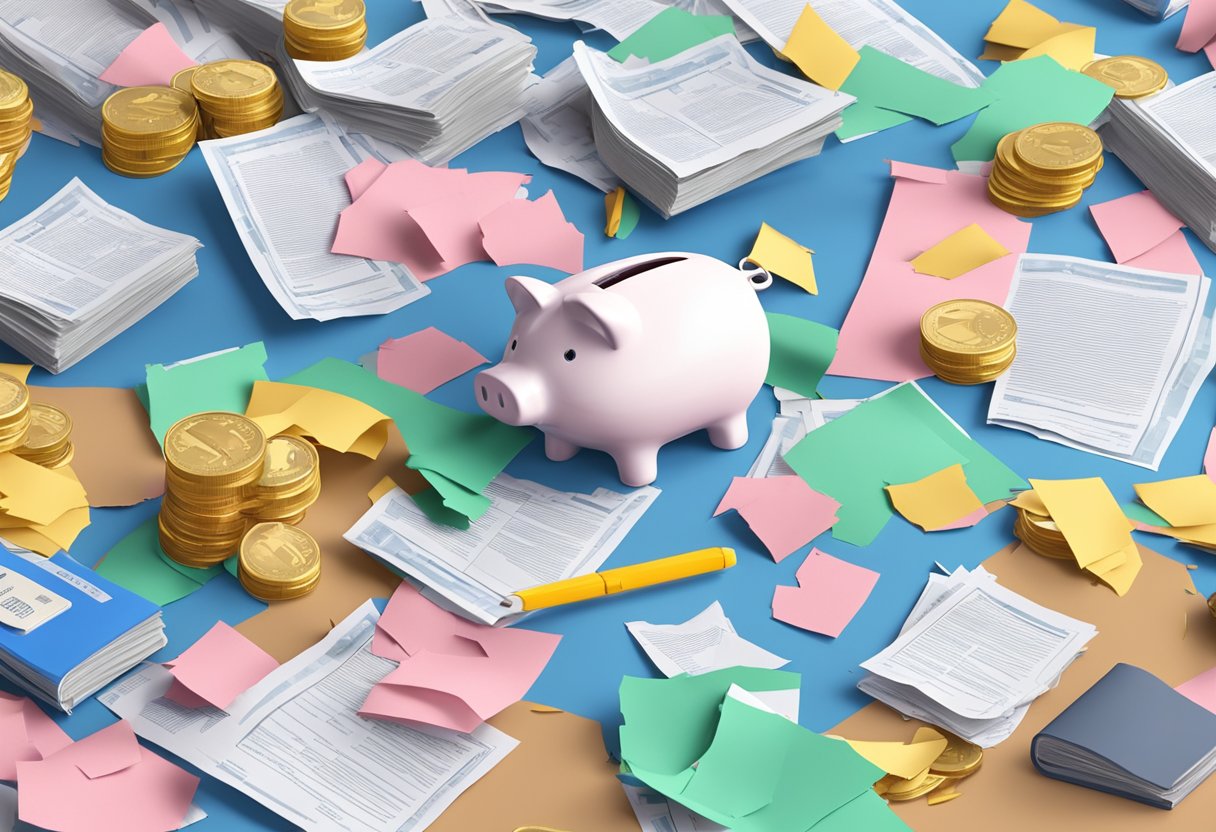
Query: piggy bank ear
[[610, 316], [528, 294]]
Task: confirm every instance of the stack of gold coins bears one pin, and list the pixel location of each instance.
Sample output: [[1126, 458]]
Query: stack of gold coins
[[16, 114], [237, 96], [279, 562], [960, 760], [48, 442], [290, 483], [1041, 535], [14, 412], [181, 81], [324, 30], [967, 341], [1043, 169], [1131, 76], [8, 163], [147, 131], [212, 460]]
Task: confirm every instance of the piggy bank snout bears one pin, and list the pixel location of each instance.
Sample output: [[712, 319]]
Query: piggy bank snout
[[510, 394]]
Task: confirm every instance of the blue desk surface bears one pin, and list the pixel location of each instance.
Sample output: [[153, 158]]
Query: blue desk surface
[[833, 203]]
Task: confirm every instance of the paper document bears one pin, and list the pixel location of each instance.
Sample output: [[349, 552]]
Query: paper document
[[294, 743], [1109, 357], [530, 535], [557, 127], [618, 18], [197, 36], [705, 642], [284, 189]]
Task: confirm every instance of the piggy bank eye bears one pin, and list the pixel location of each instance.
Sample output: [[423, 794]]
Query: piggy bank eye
[[569, 355], [514, 341]]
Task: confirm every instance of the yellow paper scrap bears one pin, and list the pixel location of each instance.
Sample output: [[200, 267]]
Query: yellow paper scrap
[[1088, 516], [338, 422], [380, 489], [1119, 575], [17, 371], [936, 500], [1000, 52], [778, 254], [1185, 501], [36, 495], [49, 539], [1029, 501], [819, 51], [614, 201], [964, 250], [936, 798], [902, 760], [1022, 25], [1071, 48]]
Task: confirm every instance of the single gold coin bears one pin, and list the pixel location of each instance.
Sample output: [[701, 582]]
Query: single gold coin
[[968, 327], [960, 758], [923, 787], [289, 460], [148, 111], [49, 427], [232, 79], [214, 444], [1058, 147], [181, 80], [324, 14], [279, 554], [1131, 76], [14, 396]]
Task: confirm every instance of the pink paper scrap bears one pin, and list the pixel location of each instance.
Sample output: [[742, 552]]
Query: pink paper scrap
[[1198, 27], [26, 734], [112, 749], [535, 233], [1174, 254], [880, 338], [151, 795], [424, 360], [152, 59], [919, 173], [964, 522], [361, 176], [784, 512], [830, 591], [1201, 689], [1133, 224], [451, 223], [217, 669], [411, 624], [1209, 456]]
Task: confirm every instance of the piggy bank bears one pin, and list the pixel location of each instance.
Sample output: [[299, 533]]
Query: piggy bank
[[628, 356]]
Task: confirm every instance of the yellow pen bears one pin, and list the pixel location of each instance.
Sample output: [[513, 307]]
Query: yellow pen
[[622, 579]]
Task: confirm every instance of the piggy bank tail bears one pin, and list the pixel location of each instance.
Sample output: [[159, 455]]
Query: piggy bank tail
[[757, 276]]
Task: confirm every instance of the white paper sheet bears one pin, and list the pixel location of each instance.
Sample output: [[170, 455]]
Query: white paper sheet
[[557, 128], [703, 643]]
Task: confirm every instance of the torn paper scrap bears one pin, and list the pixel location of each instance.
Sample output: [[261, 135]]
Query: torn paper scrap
[[217, 668], [784, 512], [819, 51], [963, 251], [830, 592], [781, 256], [703, 643], [345, 424], [1133, 224], [536, 232], [426, 359], [938, 501], [1185, 501]]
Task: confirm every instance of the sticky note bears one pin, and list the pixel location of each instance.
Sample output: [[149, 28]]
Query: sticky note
[[819, 51], [830, 592], [1185, 501], [426, 359], [936, 501], [799, 352], [779, 255], [1087, 515], [784, 512], [961, 252]]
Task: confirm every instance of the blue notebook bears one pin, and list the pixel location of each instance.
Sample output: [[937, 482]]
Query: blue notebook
[[1132, 735], [106, 631]]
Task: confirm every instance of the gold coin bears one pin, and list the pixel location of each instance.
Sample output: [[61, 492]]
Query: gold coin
[[1131, 76], [968, 327], [14, 94], [324, 14], [1058, 146], [960, 758], [49, 427], [923, 787], [232, 80], [148, 111], [214, 444], [279, 554], [182, 78], [289, 460], [14, 397]]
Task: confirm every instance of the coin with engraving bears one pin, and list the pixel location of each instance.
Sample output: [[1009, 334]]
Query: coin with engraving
[[14, 396], [14, 93], [141, 111], [324, 14], [1131, 76], [289, 460], [49, 427], [279, 554], [968, 326], [1058, 147], [232, 80], [960, 758], [214, 444]]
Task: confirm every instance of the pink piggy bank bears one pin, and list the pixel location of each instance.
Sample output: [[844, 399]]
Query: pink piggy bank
[[628, 356]]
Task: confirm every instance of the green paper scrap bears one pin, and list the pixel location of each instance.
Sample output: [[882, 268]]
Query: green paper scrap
[[763, 773], [869, 812], [799, 353], [669, 33], [135, 563], [880, 80], [1029, 92], [218, 382], [233, 565], [861, 119], [458, 453], [896, 437], [1140, 513], [432, 502], [199, 576], [630, 212], [670, 722]]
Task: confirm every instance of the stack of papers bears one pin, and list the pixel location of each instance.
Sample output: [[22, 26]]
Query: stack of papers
[[258, 23], [81, 631], [61, 48], [77, 271], [1165, 139], [682, 131], [1158, 8], [197, 36], [972, 656], [436, 88], [1109, 357]]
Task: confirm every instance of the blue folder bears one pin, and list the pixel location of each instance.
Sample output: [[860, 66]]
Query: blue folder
[[1143, 739]]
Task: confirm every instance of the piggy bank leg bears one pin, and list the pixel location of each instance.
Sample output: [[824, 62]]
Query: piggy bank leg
[[559, 450], [637, 466], [730, 433]]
